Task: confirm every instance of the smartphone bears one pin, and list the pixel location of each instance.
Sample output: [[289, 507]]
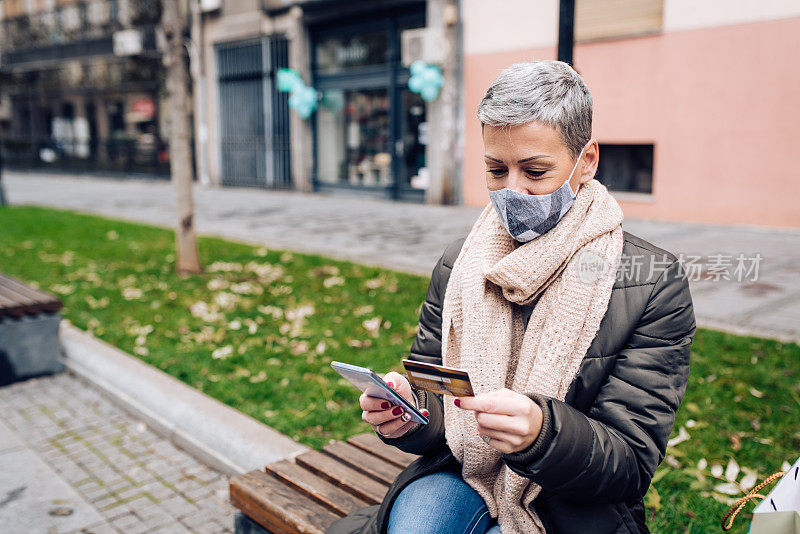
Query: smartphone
[[367, 381]]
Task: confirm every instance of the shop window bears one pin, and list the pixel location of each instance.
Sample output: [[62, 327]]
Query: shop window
[[369, 128], [626, 168], [608, 19]]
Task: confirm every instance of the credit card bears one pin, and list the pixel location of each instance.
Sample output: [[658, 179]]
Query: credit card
[[438, 378]]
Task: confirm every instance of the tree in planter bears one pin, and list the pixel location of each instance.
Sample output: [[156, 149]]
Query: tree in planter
[[173, 23]]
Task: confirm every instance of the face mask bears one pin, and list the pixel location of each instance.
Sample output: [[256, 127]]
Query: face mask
[[529, 216]]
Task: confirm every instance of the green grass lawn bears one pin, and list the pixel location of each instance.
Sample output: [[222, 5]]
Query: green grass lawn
[[259, 328]]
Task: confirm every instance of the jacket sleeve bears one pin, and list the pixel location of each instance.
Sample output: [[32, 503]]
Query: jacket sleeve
[[427, 347], [610, 453]]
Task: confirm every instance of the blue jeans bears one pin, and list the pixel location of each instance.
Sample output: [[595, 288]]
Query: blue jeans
[[440, 503]]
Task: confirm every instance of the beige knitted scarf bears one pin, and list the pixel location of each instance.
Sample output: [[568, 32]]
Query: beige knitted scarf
[[573, 267]]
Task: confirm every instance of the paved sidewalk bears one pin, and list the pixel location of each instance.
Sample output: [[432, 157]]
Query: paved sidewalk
[[73, 462], [764, 302]]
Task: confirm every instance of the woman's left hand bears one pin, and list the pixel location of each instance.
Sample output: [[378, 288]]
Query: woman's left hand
[[511, 419]]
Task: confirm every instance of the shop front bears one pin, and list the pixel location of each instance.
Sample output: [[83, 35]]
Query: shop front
[[369, 128]]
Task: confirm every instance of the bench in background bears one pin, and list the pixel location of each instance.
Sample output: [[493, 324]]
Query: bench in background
[[314, 489], [29, 322]]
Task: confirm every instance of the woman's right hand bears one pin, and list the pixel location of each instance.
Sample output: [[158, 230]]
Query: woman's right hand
[[385, 417]]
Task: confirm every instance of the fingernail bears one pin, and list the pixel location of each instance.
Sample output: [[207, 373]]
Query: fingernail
[[385, 405], [426, 413], [457, 402], [390, 384], [397, 410]]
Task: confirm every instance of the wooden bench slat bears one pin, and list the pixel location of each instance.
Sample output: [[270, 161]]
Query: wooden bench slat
[[319, 489], [276, 506], [17, 298], [362, 461], [11, 301], [336, 472], [372, 444], [8, 283]]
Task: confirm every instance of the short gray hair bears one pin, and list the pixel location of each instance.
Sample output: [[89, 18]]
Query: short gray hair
[[547, 91]]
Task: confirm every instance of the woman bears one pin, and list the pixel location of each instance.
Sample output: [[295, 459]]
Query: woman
[[576, 335]]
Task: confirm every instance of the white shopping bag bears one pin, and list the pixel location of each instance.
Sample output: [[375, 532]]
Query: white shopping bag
[[779, 513]]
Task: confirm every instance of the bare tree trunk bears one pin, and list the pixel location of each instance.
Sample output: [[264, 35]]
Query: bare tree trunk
[[173, 22]]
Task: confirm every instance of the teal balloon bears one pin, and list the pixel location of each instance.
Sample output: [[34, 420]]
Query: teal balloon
[[418, 67], [303, 100], [429, 94], [426, 80], [288, 80]]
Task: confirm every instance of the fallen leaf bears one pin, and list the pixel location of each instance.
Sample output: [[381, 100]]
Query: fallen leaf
[[728, 488], [222, 353], [716, 470], [682, 436], [333, 281], [748, 481], [260, 377], [732, 471], [372, 326]]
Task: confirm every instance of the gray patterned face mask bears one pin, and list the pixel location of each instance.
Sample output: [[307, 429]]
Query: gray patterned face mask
[[529, 216]]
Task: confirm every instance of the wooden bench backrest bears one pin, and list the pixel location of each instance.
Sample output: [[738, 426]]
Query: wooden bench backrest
[[18, 299]]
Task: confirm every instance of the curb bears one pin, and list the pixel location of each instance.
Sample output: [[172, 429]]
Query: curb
[[730, 328], [214, 433]]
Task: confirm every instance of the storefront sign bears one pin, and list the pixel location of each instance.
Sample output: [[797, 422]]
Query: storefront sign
[[144, 107]]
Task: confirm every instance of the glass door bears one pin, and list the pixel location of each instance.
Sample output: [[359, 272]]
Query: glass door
[[413, 137], [354, 138]]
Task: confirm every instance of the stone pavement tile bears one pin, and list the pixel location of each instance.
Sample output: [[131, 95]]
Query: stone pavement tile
[[199, 520], [172, 528], [106, 456], [197, 492], [126, 521], [9, 439], [128, 492], [140, 528], [141, 506], [159, 518], [31, 489], [159, 491], [100, 528], [105, 501], [178, 506], [214, 507]]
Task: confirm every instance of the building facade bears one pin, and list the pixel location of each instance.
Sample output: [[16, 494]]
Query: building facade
[[695, 103], [369, 133], [695, 107], [81, 86]]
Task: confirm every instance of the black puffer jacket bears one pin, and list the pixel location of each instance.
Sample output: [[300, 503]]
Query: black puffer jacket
[[599, 448]]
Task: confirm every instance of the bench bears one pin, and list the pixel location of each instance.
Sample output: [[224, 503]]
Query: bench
[[29, 322], [316, 488]]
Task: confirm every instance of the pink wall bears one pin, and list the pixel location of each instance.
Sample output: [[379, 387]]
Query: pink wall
[[721, 105]]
